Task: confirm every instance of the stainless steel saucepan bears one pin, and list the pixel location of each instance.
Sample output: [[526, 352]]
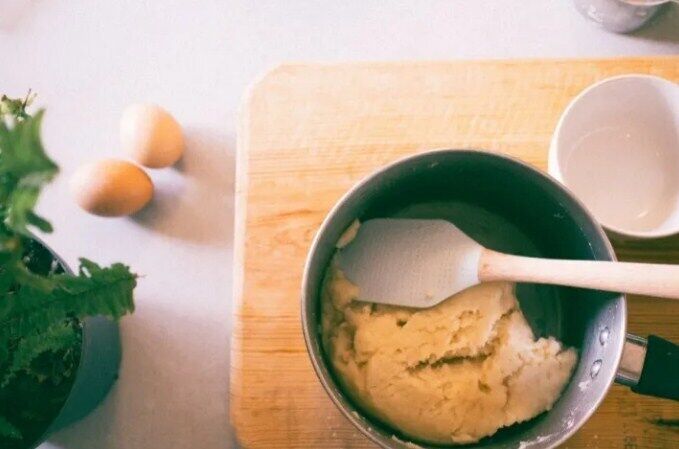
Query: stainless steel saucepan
[[508, 206]]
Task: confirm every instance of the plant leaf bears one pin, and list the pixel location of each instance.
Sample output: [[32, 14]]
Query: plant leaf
[[94, 291], [16, 107], [7, 430], [53, 339], [24, 169]]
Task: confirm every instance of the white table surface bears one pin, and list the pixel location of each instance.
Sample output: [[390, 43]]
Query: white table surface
[[87, 59]]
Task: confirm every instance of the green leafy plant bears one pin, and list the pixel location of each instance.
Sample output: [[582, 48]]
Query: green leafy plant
[[40, 307]]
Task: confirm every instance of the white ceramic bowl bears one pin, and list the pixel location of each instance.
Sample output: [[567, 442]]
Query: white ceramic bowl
[[616, 147]]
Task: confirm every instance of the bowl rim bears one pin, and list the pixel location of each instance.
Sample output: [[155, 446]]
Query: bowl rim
[[554, 168], [309, 330]]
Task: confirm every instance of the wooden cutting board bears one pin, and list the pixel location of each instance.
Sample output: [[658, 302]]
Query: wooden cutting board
[[308, 132]]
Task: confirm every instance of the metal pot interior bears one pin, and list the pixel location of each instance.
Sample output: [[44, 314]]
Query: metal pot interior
[[506, 206]]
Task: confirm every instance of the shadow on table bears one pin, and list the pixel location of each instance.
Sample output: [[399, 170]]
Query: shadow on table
[[172, 391], [194, 200], [14, 13]]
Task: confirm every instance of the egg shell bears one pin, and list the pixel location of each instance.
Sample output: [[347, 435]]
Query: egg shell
[[111, 188], [151, 136]]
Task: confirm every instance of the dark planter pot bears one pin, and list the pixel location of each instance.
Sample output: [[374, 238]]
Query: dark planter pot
[[97, 371], [98, 364]]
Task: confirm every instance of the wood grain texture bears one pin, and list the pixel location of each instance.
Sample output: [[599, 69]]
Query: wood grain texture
[[308, 133]]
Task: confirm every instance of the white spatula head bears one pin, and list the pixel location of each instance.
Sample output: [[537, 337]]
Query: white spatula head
[[409, 262]]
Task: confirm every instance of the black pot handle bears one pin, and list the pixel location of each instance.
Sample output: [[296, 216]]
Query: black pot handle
[[650, 366]]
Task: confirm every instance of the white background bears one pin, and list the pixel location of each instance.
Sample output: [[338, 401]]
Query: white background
[[87, 59]]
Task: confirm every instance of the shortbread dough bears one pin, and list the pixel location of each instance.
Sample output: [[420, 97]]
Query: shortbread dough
[[454, 373]]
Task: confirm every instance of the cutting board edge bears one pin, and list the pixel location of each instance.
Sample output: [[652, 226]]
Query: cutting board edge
[[296, 64], [240, 218]]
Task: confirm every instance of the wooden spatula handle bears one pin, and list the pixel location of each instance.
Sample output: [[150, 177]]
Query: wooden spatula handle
[[624, 277]]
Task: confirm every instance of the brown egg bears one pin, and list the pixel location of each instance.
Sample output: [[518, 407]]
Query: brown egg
[[111, 188], [151, 136]]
